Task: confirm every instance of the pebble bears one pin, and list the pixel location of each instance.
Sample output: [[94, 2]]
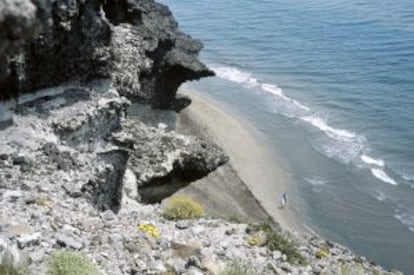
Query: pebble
[[109, 216], [12, 195], [182, 224], [26, 240], [68, 241]]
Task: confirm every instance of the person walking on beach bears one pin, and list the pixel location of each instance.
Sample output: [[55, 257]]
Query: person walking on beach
[[284, 200]]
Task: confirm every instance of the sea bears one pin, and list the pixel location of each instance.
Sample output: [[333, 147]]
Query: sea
[[330, 84]]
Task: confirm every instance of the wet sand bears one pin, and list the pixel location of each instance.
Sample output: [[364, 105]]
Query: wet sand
[[252, 184]]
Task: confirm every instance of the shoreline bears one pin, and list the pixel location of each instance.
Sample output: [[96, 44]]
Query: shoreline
[[251, 163]]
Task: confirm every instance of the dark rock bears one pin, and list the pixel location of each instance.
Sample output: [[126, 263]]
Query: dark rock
[[105, 189], [182, 224], [20, 160], [193, 261], [184, 157], [136, 43], [4, 156], [230, 231]]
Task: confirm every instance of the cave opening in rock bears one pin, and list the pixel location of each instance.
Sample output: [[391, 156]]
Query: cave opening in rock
[[156, 193], [161, 188]]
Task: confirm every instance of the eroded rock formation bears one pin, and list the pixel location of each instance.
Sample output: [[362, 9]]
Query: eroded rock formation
[[135, 43]]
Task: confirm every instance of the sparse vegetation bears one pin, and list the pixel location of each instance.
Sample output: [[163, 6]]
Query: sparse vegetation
[[70, 263], [7, 269], [321, 254], [352, 269], [237, 269], [9, 265], [150, 229], [182, 208], [234, 219], [276, 240]]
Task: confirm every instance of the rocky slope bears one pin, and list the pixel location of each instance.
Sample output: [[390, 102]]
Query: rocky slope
[[77, 171]]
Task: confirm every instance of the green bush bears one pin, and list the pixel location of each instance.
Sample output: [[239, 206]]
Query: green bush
[[182, 208], [70, 263], [278, 241]]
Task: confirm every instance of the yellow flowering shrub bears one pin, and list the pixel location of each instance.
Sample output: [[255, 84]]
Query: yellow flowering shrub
[[322, 254], [182, 208], [252, 241], [151, 229]]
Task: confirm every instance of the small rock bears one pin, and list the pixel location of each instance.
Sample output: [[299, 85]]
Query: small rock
[[276, 254], [197, 230], [212, 265], [20, 159], [28, 240], [286, 267], [4, 156], [37, 256], [182, 224], [230, 231], [164, 243], [12, 195], [30, 199], [224, 244], [193, 261], [179, 266], [68, 241], [16, 230], [108, 216], [193, 271], [70, 229], [184, 251], [158, 267], [72, 191]]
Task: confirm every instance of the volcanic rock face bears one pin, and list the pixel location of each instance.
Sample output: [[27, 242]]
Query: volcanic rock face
[[136, 43], [95, 57]]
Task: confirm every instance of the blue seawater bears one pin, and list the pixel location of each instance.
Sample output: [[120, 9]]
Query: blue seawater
[[331, 84]]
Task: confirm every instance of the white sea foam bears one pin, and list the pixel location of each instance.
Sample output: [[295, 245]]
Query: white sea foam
[[381, 175], [236, 75], [380, 196], [300, 105], [407, 177], [332, 132], [406, 219], [275, 90], [343, 145], [370, 160], [315, 181], [246, 79]]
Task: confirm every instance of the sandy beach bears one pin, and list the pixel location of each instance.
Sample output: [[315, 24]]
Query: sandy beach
[[251, 182]]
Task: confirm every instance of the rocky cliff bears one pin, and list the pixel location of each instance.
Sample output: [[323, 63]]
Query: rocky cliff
[[135, 43], [80, 171]]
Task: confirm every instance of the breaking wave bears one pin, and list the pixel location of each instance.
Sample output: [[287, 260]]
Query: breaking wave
[[340, 144], [381, 175], [406, 219], [370, 160]]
